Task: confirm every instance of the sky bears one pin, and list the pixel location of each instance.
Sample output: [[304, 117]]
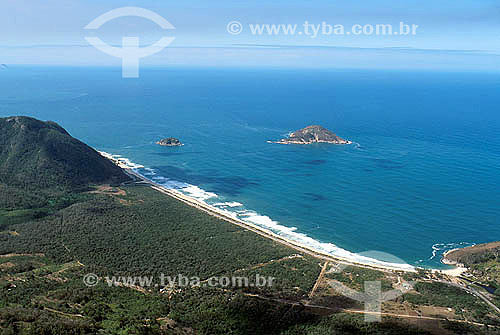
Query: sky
[[451, 34]]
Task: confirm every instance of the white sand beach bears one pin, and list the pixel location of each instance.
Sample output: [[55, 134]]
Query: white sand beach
[[130, 167]]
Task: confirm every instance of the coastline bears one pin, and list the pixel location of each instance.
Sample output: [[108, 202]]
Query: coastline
[[129, 168], [458, 268], [445, 260], [258, 230], [305, 143]]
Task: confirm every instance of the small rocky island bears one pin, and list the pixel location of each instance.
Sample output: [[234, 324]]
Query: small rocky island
[[170, 142], [312, 134]]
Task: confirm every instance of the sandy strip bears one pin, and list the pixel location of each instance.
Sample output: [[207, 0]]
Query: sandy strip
[[444, 259], [258, 230], [458, 268], [457, 271]]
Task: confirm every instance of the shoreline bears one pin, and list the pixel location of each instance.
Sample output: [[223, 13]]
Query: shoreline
[[457, 270], [459, 267], [258, 230], [224, 215], [445, 260], [305, 143]]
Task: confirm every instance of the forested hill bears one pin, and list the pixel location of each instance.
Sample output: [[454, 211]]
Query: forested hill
[[37, 154], [59, 224]]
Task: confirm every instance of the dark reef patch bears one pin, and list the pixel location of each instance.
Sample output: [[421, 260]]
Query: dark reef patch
[[231, 185], [166, 154], [315, 162], [388, 163], [315, 196]]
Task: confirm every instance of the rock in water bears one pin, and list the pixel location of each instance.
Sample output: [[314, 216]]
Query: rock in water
[[313, 134], [169, 142]]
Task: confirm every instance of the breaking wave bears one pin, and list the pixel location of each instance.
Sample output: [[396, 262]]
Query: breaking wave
[[237, 210]]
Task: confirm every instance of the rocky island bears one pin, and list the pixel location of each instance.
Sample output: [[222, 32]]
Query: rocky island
[[170, 142], [312, 134]]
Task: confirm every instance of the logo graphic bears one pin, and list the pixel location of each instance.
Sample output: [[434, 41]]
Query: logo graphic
[[130, 52], [372, 297], [90, 279], [234, 27]]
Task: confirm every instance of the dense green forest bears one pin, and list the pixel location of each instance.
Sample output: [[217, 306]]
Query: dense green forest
[[147, 233], [143, 233], [40, 162], [66, 212]]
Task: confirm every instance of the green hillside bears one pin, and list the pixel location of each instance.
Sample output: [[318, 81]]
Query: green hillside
[[37, 154], [42, 166], [61, 221]]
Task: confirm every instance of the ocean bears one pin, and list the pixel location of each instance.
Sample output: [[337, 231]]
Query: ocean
[[421, 177]]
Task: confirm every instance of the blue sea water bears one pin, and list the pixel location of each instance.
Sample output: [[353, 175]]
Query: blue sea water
[[422, 176]]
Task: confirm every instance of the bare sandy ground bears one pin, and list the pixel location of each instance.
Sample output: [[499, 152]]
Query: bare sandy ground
[[455, 272]]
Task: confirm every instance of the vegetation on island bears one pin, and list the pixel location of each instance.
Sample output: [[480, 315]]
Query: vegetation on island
[[313, 134]]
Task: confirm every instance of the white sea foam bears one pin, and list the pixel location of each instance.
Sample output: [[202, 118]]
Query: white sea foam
[[228, 204], [149, 172], [290, 233], [159, 179], [441, 248], [229, 213], [198, 193], [129, 164], [121, 161], [105, 154], [252, 217], [357, 145]]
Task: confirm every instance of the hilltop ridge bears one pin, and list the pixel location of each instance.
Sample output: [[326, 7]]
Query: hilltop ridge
[[42, 154]]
